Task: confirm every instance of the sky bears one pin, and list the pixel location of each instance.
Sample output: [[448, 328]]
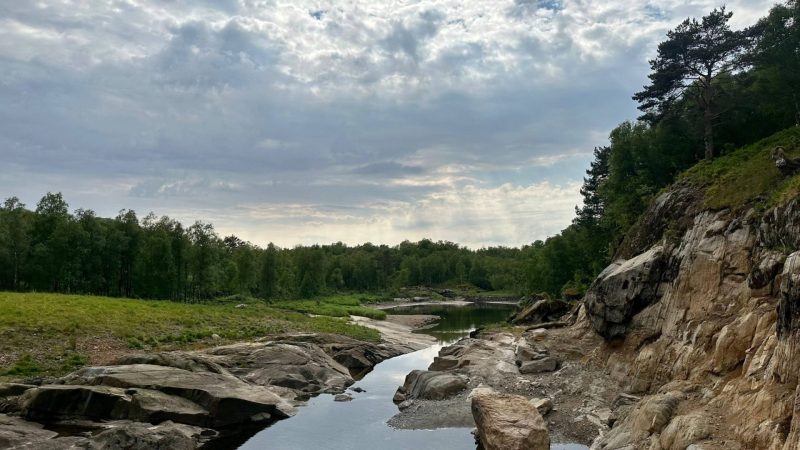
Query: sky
[[305, 121]]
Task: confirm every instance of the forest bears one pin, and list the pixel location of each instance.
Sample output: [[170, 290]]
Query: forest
[[712, 90]]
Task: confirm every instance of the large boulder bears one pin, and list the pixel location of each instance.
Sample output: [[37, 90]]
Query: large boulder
[[66, 402], [301, 366], [227, 399], [623, 289], [430, 385], [508, 422], [15, 432], [539, 311], [141, 436]]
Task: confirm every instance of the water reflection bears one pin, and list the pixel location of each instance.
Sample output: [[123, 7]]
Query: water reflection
[[361, 423]]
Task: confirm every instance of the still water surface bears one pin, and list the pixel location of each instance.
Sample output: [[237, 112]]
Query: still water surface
[[361, 424]]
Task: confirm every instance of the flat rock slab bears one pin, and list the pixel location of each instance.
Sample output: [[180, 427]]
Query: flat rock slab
[[227, 399], [301, 366]]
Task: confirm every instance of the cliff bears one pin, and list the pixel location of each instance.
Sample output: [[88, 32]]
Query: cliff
[[700, 311]]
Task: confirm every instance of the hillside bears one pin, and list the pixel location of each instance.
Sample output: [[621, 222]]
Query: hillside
[[699, 311]]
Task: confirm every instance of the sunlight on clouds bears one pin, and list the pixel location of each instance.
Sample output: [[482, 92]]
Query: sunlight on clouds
[[368, 120]]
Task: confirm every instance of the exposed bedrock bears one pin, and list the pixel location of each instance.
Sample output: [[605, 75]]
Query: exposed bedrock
[[702, 309], [186, 394]]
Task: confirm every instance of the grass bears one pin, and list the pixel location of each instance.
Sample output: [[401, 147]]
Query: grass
[[50, 334], [748, 174], [342, 305]]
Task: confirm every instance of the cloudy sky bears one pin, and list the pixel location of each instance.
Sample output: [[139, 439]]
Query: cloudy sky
[[304, 121]]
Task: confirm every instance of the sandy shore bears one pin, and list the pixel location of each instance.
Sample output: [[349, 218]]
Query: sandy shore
[[397, 334]]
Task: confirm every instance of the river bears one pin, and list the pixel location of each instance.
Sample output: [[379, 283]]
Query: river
[[361, 424]]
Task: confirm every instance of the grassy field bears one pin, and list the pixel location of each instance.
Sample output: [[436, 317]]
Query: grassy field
[[54, 334], [335, 306]]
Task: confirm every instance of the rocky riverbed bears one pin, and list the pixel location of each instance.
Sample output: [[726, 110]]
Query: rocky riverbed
[[182, 400], [545, 367]]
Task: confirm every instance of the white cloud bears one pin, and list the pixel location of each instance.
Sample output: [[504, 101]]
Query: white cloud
[[193, 107]]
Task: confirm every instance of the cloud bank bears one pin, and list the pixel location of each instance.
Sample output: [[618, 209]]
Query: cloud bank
[[310, 121]]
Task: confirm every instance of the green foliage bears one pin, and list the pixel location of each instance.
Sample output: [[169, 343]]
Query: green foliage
[[335, 306], [24, 367], [736, 179], [44, 325]]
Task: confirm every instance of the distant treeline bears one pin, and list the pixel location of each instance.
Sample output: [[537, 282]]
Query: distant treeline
[[712, 90], [50, 249]]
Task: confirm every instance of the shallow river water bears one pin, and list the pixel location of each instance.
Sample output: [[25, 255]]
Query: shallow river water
[[361, 424]]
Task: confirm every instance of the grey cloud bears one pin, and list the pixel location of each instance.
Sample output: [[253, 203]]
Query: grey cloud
[[389, 169], [407, 38], [201, 107]]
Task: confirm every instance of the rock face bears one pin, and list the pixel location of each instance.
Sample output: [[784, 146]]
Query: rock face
[[508, 422], [623, 289], [701, 315], [430, 385]]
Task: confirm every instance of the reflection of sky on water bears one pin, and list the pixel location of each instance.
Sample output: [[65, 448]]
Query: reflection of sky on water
[[361, 424]]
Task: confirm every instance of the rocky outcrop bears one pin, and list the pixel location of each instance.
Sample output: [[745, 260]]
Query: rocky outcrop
[[623, 289], [701, 318], [508, 422], [187, 394], [16, 433], [429, 385]]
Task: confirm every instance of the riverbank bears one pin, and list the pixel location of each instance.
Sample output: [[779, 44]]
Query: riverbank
[[47, 335], [227, 392], [579, 398]]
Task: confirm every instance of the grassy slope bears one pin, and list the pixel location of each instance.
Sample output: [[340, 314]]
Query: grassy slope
[[748, 174], [341, 305], [52, 333]]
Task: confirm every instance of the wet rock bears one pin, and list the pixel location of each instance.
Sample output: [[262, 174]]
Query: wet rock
[[357, 389], [399, 395], [141, 436], [431, 385], [508, 422], [623, 289], [342, 398], [227, 399], [546, 364]]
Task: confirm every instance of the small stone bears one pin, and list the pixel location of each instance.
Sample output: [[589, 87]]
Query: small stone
[[357, 389], [261, 417], [216, 337], [342, 398], [543, 405], [548, 364], [399, 396], [241, 305], [405, 405], [538, 334]]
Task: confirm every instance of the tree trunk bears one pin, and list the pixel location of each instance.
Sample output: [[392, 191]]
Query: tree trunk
[[708, 133]]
